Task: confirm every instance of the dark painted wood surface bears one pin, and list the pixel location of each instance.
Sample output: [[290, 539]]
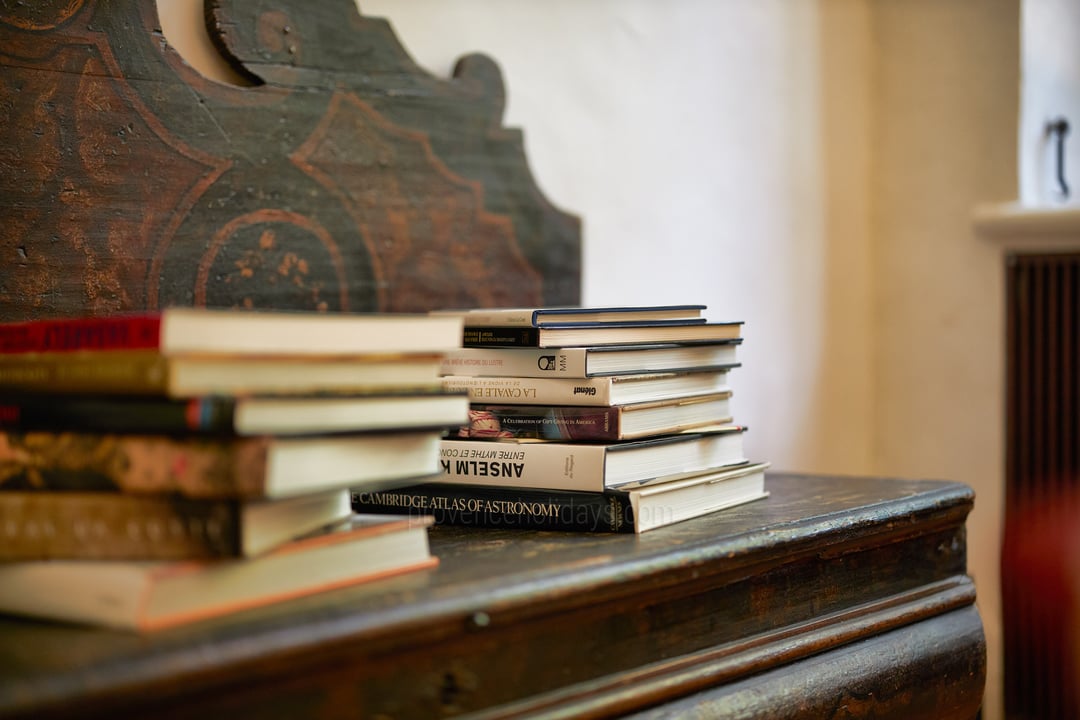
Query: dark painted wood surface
[[344, 178], [518, 623], [932, 669]]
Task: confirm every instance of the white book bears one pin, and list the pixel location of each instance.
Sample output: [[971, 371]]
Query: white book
[[591, 392], [204, 331], [587, 466], [148, 595], [581, 362]]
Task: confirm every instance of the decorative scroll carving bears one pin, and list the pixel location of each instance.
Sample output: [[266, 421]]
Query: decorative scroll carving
[[345, 178]]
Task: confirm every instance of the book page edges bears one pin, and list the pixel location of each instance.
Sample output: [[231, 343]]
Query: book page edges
[[380, 526], [145, 623], [712, 509]]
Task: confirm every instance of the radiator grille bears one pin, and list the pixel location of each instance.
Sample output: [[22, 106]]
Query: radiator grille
[[1041, 550]]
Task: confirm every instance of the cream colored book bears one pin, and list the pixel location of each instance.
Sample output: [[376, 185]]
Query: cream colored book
[[592, 467], [594, 391], [147, 596], [147, 372], [582, 362]]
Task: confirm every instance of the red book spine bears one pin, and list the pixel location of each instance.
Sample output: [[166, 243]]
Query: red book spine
[[133, 332]]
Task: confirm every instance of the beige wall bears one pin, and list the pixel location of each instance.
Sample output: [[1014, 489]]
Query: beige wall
[[808, 166], [946, 112]]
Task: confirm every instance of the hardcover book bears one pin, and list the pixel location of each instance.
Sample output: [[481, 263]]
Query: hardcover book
[[591, 467], [540, 317], [122, 526], [585, 362], [146, 372], [148, 595], [594, 392], [226, 415], [621, 511], [574, 422], [589, 334], [248, 467], [185, 330]]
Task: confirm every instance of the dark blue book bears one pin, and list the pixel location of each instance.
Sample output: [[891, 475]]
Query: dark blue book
[[226, 415], [546, 316]]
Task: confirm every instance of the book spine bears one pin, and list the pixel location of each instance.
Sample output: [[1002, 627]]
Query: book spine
[[501, 317], [488, 336], [544, 422], [479, 506], [590, 392], [551, 466], [209, 415], [517, 362], [139, 464], [115, 526], [65, 335], [142, 373]]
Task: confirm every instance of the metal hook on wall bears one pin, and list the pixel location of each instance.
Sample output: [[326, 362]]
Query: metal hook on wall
[[1058, 128]]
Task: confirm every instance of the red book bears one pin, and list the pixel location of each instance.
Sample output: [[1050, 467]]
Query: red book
[[176, 331], [141, 332]]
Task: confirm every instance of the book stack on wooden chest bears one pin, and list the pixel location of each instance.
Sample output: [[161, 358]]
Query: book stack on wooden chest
[[589, 419], [160, 468]]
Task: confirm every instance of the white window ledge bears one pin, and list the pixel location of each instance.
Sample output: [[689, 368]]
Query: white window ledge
[[1016, 223], [1025, 228]]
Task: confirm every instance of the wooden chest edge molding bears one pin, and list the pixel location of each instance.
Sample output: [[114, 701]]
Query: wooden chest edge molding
[[935, 669], [683, 676]]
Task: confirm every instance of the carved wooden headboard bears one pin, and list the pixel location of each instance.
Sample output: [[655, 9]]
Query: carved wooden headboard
[[345, 178]]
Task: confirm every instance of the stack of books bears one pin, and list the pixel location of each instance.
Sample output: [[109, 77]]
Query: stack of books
[[590, 419], [161, 468]]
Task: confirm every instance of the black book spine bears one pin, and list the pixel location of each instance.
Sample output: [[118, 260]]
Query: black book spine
[[495, 507], [210, 415], [500, 337]]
